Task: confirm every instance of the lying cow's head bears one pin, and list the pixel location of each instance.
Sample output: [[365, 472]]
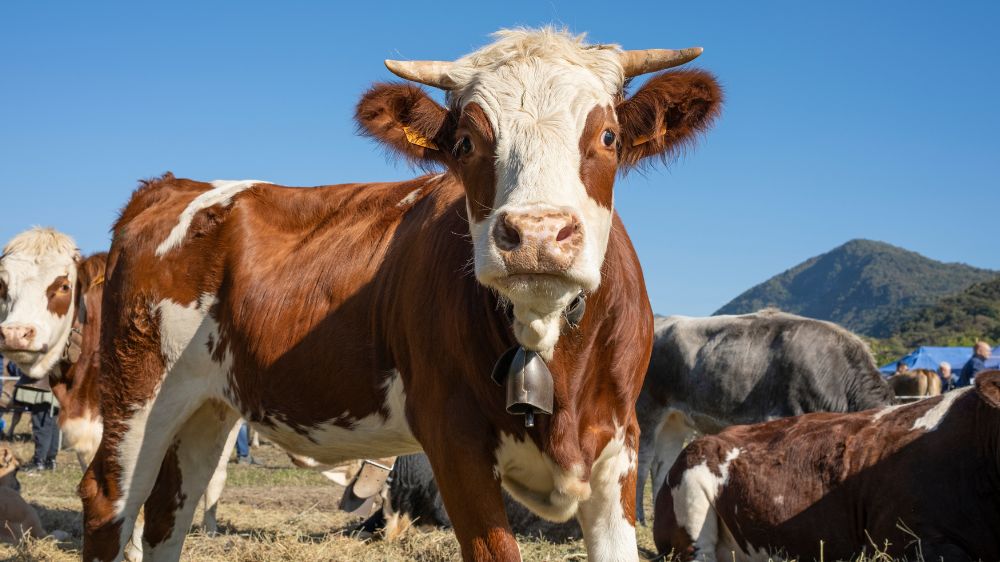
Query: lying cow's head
[[38, 272], [536, 126]]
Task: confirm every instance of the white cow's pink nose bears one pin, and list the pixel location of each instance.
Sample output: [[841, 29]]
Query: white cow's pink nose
[[538, 242], [17, 337]]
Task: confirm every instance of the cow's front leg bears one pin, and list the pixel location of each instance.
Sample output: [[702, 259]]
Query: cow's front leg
[[607, 518], [470, 488]]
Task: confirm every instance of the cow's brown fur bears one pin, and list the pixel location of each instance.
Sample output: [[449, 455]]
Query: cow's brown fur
[[60, 296], [850, 480]]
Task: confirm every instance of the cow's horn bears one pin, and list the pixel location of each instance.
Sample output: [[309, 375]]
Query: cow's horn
[[651, 60], [431, 72]]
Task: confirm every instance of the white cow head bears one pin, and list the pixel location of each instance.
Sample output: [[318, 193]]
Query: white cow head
[[536, 126], [38, 271]]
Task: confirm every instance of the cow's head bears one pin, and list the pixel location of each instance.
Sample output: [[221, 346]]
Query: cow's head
[[536, 126], [38, 271]]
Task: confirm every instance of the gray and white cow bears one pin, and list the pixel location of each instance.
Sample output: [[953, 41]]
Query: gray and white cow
[[706, 374]]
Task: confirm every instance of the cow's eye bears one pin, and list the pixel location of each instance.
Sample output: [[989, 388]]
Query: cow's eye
[[65, 287], [609, 138], [462, 147]]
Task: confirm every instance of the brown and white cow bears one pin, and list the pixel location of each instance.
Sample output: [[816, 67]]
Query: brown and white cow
[[37, 282], [364, 319], [77, 385], [921, 478]]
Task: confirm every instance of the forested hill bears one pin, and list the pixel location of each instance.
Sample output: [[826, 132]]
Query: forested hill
[[867, 286]]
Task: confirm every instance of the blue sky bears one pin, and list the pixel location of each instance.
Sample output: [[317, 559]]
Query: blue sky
[[843, 119]]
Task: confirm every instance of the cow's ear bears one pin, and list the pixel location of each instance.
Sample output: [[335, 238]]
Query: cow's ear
[[407, 120], [988, 387], [666, 114]]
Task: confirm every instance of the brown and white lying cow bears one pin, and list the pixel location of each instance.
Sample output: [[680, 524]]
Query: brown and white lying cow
[[17, 517], [922, 477], [364, 320]]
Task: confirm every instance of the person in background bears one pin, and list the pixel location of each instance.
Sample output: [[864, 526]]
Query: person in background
[[947, 381], [243, 446], [901, 368], [36, 396], [980, 353]]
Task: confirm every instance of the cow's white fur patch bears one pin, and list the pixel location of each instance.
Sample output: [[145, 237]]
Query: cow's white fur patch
[[932, 418], [533, 479], [675, 429], [694, 504], [370, 436], [882, 412], [410, 198], [222, 193], [537, 89], [31, 261], [82, 435], [606, 530]]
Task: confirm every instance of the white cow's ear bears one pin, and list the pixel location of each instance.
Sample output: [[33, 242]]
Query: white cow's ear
[[988, 387], [667, 114], [404, 118]]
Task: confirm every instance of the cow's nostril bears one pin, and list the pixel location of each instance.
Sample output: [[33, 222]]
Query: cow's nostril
[[506, 235], [566, 232]]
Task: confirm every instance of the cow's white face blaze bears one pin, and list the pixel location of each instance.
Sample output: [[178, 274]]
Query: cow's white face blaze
[[538, 232], [38, 272], [535, 126]]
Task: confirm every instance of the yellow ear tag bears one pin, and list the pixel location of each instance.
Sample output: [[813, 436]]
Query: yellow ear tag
[[416, 138], [646, 138]]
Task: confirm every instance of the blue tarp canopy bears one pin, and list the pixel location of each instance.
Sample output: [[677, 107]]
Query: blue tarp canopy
[[927, 357]]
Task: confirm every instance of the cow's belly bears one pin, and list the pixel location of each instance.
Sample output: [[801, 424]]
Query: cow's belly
[[340, 440]]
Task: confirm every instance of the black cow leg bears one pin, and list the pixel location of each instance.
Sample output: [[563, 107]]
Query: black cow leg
[[373, 524]]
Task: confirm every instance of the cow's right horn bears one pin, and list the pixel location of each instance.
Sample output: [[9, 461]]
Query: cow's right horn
[[430, 72]]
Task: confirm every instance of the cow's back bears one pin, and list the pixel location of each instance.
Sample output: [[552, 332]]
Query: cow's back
[[746, 369], [240, 253]]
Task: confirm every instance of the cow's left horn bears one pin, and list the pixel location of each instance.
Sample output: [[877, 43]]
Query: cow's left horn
[[651, 60], [431, 72]]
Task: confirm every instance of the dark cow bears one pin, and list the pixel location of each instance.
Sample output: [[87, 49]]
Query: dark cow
[[706, 374], [364, 320], [922, 478], [411, 497]]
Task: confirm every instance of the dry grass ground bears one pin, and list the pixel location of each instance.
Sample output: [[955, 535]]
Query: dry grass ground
[[275, 512], [270, 513]]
